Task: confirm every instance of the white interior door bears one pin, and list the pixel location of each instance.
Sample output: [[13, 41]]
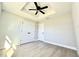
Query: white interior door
[[41, 31], [27, 31]]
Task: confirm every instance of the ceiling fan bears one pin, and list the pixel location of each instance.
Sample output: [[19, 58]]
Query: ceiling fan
[[38, 8]]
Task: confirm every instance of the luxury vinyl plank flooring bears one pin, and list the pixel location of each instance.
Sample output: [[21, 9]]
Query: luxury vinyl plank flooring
[[42, 49]]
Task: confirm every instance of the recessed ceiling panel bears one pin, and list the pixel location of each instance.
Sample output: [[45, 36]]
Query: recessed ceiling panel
[[48, 11]]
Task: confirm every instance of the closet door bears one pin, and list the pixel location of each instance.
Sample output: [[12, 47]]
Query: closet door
[[41, 31], [27, 31]]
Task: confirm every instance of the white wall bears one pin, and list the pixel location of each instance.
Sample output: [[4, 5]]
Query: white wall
[[0, 9], [59, 31], [1, 42], [16, 27], [75, 14]]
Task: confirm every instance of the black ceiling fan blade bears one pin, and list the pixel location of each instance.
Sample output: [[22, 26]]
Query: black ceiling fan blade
[[42, 12], [36, 12], [36, 4], [44, 7], [32, 9]]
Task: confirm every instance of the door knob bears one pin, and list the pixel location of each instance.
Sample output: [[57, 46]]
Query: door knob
[[28, 33]]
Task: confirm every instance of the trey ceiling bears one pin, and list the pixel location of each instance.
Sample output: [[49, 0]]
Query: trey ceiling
[[21, 9]]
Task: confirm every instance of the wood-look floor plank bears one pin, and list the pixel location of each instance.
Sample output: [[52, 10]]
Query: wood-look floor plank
[[42, 49]]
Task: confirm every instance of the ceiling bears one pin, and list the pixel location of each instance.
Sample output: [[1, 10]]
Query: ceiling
[[53, 9]]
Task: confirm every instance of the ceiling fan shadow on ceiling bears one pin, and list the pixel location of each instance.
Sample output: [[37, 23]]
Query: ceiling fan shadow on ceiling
[[38, 8]]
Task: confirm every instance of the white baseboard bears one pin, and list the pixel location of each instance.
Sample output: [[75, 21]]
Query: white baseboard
[[69, 47], [27, 42]]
